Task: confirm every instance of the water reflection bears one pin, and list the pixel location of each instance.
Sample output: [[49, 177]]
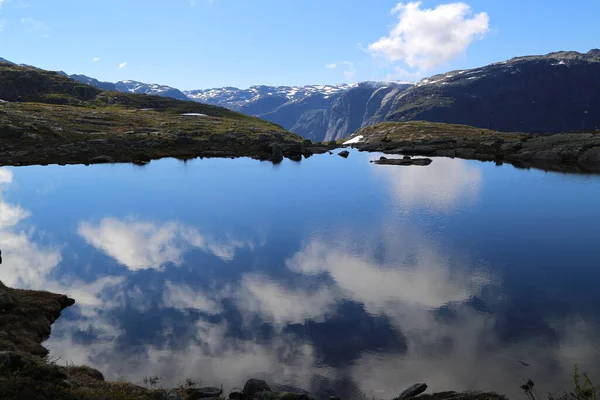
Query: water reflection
[[358, 306], [442, 186], [142, 245]]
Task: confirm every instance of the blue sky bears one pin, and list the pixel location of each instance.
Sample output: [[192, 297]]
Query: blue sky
[[212, 43]]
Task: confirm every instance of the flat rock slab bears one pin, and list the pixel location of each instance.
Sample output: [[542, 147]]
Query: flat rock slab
[[403, 161]]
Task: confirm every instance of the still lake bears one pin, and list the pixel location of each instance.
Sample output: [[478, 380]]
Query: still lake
[[330, 274]]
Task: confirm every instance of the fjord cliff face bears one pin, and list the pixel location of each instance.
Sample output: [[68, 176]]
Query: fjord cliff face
[[559, 92]]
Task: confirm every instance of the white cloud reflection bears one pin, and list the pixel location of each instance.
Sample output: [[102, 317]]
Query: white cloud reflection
[[140, 245], [441, 186]]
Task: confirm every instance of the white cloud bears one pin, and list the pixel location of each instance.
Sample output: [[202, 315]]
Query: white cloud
[[428, 38], [331, 66], [123, 65], [1, 3], [35, 25], [96, 59]]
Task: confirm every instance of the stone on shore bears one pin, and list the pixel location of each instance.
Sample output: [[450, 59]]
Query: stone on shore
[[254, 386], [412, 391]]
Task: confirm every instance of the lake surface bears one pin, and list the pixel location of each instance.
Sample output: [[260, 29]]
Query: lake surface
[[330, 274]]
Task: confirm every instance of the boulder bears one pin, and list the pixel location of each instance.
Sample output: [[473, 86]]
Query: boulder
[[254, 386], [412, 391], [236, 395], [344, 153]]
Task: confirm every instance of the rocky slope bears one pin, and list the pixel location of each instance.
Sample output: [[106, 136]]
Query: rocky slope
[[573, 152], [557, 92], [49, 118]]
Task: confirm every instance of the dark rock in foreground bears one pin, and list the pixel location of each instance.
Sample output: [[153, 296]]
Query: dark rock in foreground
[[344, 153], [254, 386], [412, 391]]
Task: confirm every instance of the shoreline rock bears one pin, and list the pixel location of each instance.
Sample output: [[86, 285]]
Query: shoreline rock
[[565, 152]]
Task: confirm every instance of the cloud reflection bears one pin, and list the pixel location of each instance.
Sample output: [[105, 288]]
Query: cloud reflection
[[140, 245], [441, 186]]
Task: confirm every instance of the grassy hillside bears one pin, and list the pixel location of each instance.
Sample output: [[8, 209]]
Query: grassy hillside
[[46, 117]]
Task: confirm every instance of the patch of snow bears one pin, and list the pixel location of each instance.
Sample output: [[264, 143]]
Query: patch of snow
[[356, 139], [146, 109], [194, 115]]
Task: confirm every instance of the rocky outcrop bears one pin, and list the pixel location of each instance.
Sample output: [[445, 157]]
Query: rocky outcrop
[[575, 152], [26, 323]]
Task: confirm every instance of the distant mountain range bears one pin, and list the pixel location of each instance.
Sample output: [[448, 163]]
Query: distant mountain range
[[556, 92]]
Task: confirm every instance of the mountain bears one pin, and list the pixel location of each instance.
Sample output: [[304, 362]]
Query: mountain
[[132, 87], [262, 99], [94, 82], [152, 89], [557, 92], [316, 112], [551, 93]]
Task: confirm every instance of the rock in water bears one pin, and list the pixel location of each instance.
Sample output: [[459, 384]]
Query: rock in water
[[403, 161], [412, 391], [254, 386], [344, 153]]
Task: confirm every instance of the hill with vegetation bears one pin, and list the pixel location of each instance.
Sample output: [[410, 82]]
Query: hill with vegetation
[[46, 117]]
